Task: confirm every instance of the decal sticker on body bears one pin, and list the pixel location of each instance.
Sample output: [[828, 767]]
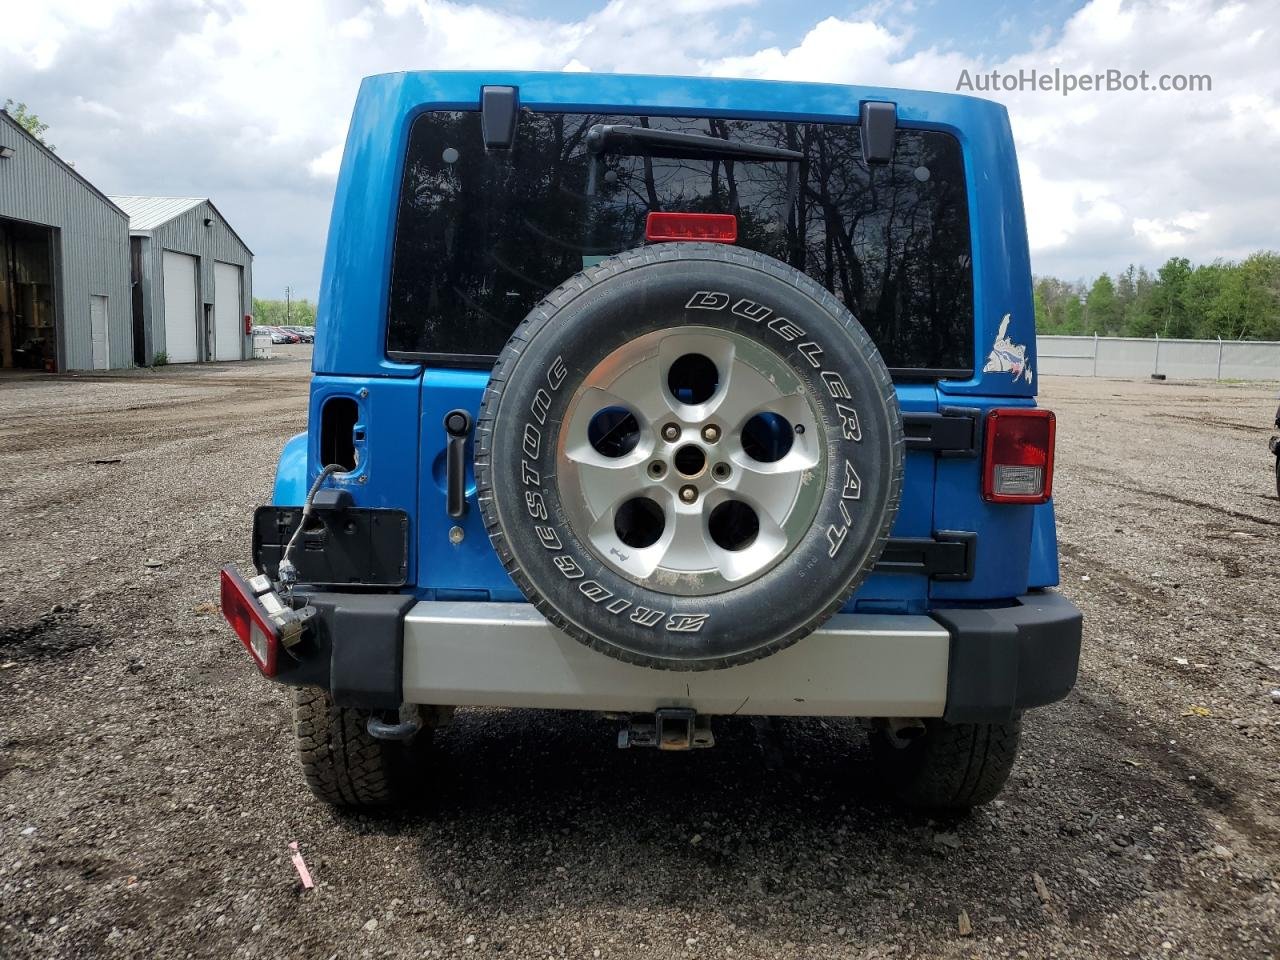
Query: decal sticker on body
[[1007, 356]]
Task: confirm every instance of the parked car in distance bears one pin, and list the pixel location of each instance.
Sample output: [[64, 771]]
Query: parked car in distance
[[282, 335], [277, 335], [304, 334], [718, 400]]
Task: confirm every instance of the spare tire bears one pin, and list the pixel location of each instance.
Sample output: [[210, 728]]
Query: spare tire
[[689, 456]]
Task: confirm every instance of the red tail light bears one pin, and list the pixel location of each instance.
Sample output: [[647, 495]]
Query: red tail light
[[715, 227], [241, 609], [1017, 462]]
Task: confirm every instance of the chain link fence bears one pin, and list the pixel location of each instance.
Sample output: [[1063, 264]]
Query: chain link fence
[[1178, 359]]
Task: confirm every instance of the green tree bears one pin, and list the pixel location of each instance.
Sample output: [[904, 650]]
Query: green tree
[[28, 121], [274, 313], [1073, 319], [1169, 298], [1040, 308], [1248, 304], [1203, 288], [1102, 310], [1126, 294], [1228, 311], [1139, 319], [1219, 299], [1053, 311]]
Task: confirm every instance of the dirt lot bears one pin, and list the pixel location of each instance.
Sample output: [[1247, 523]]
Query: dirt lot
[[148, 792]]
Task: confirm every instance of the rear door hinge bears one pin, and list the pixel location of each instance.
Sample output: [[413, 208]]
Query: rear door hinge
[[951, 432], [878, 125], [499, 108], [947, 555]]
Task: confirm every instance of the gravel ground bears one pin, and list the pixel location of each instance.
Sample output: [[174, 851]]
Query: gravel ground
[[148, 790]]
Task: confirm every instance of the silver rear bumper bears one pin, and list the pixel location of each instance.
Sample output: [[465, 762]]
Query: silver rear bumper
[[508, 655]]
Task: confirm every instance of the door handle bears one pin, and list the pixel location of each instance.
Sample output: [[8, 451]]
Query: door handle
[[457, 424]]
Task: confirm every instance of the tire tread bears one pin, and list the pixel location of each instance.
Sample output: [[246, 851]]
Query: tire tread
[[345, 766], [952, 767]]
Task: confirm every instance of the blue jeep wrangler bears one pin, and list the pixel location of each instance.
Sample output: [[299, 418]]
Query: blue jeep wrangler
[[667, 398]]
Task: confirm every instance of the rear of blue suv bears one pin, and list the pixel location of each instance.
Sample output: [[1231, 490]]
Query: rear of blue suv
[[667, 398]]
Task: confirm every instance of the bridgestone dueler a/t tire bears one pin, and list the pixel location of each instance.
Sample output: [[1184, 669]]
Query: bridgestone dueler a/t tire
[[641, 292], [345, 766], [952, 767]]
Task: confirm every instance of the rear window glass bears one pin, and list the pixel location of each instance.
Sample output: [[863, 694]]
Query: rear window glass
[[482, 236]]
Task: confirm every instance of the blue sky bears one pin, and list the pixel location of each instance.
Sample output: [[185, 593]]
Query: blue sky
[[247, 101]]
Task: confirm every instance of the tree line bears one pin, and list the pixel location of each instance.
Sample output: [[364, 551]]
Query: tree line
[[276, 313], [1227, 299]]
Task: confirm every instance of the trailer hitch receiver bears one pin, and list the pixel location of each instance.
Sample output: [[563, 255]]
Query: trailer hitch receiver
[[671, 728]]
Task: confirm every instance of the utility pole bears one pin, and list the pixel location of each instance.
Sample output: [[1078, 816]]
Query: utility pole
[[288, 293]]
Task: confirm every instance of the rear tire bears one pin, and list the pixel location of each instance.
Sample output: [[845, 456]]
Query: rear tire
[[951, 767], [345, 766]]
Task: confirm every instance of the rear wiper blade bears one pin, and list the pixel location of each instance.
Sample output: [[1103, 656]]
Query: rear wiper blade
[[645, 141]]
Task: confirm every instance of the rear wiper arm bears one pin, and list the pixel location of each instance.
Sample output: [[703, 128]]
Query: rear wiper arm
[[645, 141]]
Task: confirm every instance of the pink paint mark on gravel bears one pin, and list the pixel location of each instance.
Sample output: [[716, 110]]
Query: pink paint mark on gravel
[[301, 866]]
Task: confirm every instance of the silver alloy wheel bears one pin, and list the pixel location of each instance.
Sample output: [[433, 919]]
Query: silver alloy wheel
[[692, 460]]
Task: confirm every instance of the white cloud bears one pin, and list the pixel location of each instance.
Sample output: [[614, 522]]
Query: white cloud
[[359, 27], [97, 109], [326, 165], [248, 101], [1171, 232], [839, 48]]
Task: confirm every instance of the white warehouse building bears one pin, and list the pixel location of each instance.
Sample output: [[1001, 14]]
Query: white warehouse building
[[192, 281]]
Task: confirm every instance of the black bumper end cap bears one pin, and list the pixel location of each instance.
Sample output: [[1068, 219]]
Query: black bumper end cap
[[357, 649], [1008, 659]]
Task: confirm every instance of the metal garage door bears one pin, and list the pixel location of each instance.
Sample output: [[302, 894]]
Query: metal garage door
[[180, 307], [228, 335], [98, 332]]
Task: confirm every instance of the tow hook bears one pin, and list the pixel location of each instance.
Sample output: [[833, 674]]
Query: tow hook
[[671, 728], [402, 725]]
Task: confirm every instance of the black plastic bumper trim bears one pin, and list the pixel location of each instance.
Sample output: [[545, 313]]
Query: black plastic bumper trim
[[1008, 659], [354, 648]]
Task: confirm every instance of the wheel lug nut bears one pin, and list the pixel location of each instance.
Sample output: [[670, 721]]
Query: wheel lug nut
[[689, 493], [711, 433], [671, 432]]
